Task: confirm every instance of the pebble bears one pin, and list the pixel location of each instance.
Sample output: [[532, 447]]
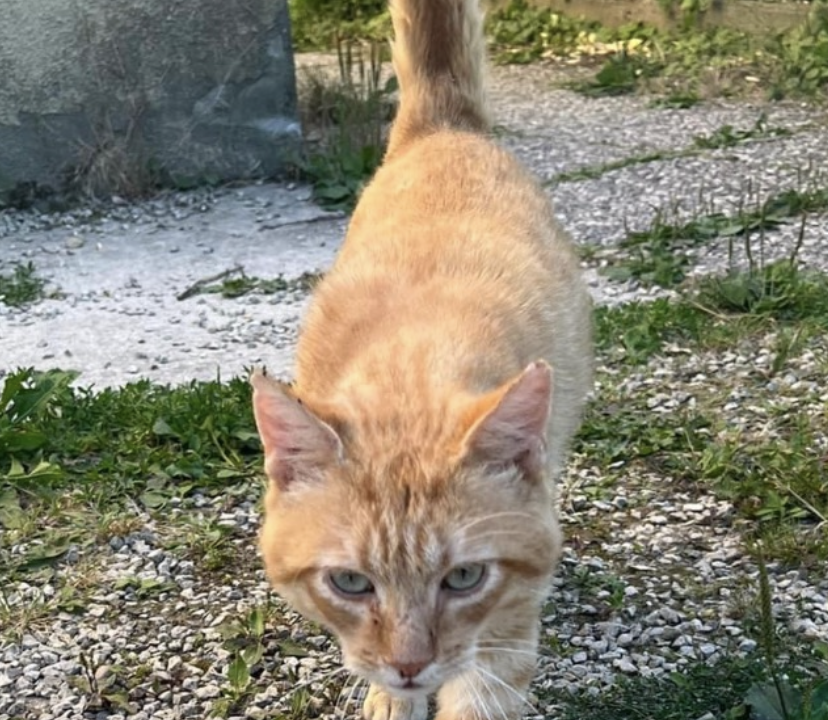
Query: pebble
[[660, 542]]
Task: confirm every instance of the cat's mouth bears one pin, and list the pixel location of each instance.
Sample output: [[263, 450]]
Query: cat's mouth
[[411, 690]]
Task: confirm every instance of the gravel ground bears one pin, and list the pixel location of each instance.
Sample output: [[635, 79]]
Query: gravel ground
[[654, 576]]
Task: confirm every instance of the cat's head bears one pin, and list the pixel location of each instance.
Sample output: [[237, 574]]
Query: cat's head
[[420, 552]]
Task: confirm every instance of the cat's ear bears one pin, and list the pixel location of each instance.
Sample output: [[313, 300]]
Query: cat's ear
[[509, 424], [297, 443]]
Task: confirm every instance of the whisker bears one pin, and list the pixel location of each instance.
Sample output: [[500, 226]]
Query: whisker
[[356, 690], [340, 707], [523, 699], [494, 516], [493, 695], [514, 651], [512, 641], [316, 678], [479, 704], [496, 533]]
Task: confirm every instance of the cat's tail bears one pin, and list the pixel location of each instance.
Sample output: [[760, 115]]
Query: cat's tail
[[439, 57]]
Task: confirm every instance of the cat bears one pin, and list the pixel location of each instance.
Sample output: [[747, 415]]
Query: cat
[[441, 372]]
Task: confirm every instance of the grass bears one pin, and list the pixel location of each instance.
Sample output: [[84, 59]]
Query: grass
[[688, 695], [729, 690], [21, 287], [346, 116], [662, 254], [72, 458], [236, 283], [725, 136], [681, 64], [775, 474]]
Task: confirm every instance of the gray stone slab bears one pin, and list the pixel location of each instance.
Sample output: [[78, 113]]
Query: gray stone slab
[[199, 88]]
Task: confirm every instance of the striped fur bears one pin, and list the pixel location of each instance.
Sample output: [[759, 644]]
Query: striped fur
[[440, 374]]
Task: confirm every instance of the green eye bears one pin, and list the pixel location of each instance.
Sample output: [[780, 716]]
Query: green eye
[[465, 577], [349, 582]]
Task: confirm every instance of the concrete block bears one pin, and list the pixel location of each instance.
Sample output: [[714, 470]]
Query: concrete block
[[196, 88]]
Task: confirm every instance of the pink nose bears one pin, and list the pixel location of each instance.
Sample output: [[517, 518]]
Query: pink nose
[[409, 670]]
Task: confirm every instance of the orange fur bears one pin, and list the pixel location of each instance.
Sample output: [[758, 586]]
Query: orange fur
[[441, 373]]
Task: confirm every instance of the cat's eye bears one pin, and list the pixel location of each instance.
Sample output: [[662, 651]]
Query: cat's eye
[[465, 577], [349, 582]]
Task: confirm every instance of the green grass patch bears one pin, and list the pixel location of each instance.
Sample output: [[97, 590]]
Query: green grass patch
[[661, 254], [727, 136], [773, 470], [690, 694], [522, 33], [680, 63], [348, 112], [71, 456], [676, 101], [235, 283], [732, 689], [321, 24], [21, 287]]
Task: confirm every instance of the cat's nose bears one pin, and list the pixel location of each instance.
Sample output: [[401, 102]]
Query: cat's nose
[[409, 670]]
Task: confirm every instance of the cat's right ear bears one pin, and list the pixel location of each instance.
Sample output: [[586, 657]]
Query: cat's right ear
[[297, 444]]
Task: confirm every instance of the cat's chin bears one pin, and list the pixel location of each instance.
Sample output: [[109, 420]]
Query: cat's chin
[[411, 692]]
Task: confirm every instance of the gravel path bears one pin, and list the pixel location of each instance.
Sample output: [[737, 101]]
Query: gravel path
[[654, 576]]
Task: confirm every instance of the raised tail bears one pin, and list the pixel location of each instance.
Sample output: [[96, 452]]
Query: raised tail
[[439, 57]]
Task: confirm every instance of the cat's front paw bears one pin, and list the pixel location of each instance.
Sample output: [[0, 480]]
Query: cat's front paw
[[379, 705]]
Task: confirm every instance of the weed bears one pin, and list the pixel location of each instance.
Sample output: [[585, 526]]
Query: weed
[[319, 24], [778, 289], [598, 585], [21, 287], [244, 641], [144, 588], [661, 254], [776, 698], [520, 33], [235, 282], [593, 172], [681, 100], [772, 480], [678, 62], [638, 330], [268, 286], [803, 55], [71, 454], [619, 75], [625, 432], [105, 687], [728, 136], [725, 136], [698, 690], [349, 115]]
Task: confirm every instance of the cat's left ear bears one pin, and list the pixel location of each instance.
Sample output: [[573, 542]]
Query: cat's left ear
[[509, 424], [297, 443]]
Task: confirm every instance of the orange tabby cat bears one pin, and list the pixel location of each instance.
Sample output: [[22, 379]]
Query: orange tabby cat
[[441, 372]]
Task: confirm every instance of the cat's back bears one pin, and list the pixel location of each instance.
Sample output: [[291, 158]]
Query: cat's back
[[455, 243], [454, 199]]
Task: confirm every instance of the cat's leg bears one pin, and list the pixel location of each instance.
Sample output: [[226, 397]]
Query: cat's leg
[[379, 705], [494, 689]]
